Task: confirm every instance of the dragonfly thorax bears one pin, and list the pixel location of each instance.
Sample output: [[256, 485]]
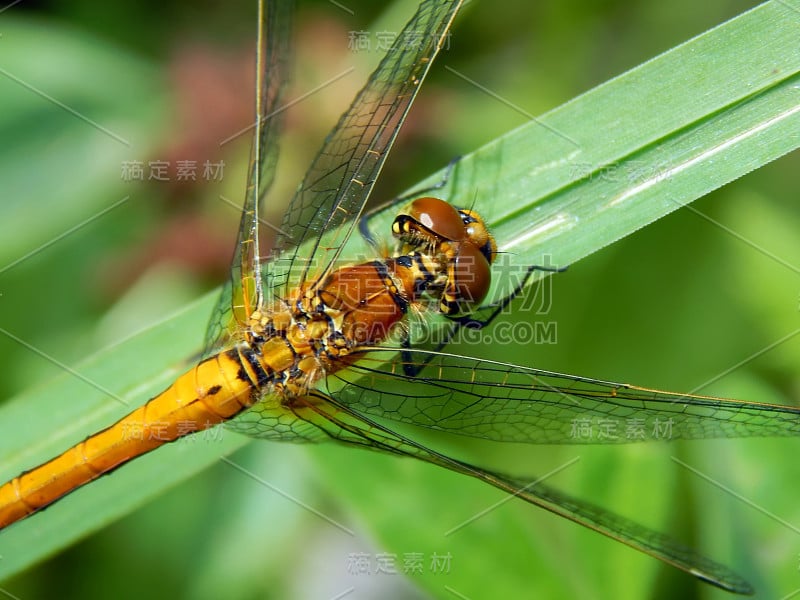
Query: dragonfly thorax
[[444, 255], [442, 263]]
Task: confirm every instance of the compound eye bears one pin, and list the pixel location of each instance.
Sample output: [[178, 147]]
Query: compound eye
[[438, 217], [469, 278], [478, 235]]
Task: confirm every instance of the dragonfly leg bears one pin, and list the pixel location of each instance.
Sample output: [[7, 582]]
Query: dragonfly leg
[[363, 223], [478, 319]]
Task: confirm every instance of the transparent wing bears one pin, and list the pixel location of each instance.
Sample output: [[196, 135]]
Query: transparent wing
[[243, 292], [502, 402], [508, 403], [326, 207], [339, 422]]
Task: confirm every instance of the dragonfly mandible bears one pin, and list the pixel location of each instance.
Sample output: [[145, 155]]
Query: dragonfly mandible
[[305, 347]]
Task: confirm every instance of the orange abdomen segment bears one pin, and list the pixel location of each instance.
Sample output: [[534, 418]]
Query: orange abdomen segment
[[212, 392]]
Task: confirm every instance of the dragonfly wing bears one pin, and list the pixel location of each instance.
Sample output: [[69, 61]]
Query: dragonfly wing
[[339, 422], [502, 402], [617, 527], [328, 203], [243, 292], [270, 419]]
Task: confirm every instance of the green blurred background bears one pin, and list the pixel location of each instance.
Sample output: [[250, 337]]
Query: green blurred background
[[671, 307]]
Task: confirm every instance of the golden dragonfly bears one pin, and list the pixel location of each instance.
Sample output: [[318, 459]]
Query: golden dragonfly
[[310, 347]]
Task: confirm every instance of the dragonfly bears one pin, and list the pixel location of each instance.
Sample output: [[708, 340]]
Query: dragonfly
[[308, 346]]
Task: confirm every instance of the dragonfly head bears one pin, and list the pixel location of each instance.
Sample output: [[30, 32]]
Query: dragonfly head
[[431, 225]]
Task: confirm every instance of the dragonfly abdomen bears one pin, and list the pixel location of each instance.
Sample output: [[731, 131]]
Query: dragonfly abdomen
[[211, 392]]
